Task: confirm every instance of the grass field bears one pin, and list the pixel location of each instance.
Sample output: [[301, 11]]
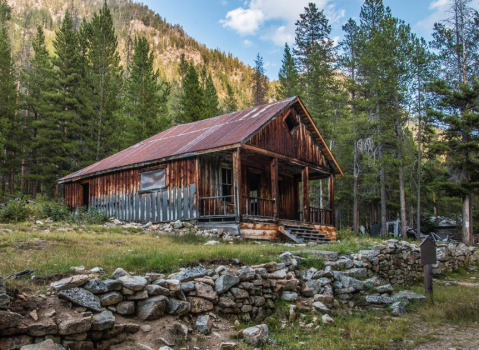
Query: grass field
[[54, 248]]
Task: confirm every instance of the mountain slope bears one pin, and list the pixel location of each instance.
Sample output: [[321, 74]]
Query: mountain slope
[[131, 19]]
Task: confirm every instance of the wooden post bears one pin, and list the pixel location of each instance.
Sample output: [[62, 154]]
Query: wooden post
[[274, 186], [305, 181], [238, 199], [198, 186], [331, 198], [428, 258]]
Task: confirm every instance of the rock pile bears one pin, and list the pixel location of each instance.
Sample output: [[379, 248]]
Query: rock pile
[[247, 292]]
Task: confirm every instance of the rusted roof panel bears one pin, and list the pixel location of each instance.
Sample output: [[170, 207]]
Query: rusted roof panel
[[211, 133]]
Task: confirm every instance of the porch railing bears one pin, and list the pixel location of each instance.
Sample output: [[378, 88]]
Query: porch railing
[[320, 216], [217, 206], [256, 206]]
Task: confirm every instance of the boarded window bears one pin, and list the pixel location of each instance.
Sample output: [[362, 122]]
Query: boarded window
[[153, 180]]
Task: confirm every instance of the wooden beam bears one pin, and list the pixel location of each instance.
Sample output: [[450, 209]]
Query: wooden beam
[[305, 183], [198, 185], [286, 158], [274, 186], [331, 198], [237, 181]]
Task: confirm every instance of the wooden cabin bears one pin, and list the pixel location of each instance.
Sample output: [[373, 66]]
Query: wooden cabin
[[248, 172]]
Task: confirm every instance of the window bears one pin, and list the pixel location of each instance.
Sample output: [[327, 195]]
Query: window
[[153, 180], [291, 121], [227, 184]]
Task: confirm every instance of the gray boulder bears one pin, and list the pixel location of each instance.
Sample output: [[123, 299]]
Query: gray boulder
[[199, 305], [9, 319], [96, 286], [4, 301], [289, 296], [387, 288], [103, 321], [75, 325], [119, 272], [152, 309], [257, 335], [379, 299], [43, 328], [111, 298], [44, 345], [397, 309], [126, 308], [225, 282], [81, 297], [410, 296], [113, 285], [204, 324], [190, 273], [178, 307], [69, 282], [357, 272], [134, 283]]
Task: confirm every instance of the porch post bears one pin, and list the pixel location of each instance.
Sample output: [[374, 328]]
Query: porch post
[[305, 181], [274, 186], [238, 197], [331, 197]]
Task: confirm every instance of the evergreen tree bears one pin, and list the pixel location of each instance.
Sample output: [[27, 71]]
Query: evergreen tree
[[41, 83], [211, 99], [192, 107], [66, 120], [231, 105], [146, 96], [10, 129], [315, 56], [106, 80], [289, 84], [455, 93], [259, 83]]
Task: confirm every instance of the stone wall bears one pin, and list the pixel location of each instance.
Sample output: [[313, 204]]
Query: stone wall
[[247, 292]]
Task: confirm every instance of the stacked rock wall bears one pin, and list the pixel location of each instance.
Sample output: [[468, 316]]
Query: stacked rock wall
[[248, 292]]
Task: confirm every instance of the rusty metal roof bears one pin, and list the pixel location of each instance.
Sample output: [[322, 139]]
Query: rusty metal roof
[[223, 130]]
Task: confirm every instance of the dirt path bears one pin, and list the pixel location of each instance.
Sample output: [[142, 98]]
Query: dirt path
[[448, 337]]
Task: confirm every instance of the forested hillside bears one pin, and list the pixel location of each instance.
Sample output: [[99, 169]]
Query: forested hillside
[[130, 19]]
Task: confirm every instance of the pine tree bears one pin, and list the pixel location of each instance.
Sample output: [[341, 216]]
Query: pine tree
[[259, 83], [66, 121], [10, 128], [315, 56], [192, 106], [455, 93], [106, 79], [146, 96], [40, 83], [289, 79], [231, 105], [211, 99]]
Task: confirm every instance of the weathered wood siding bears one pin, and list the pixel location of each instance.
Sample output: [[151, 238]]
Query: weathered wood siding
[[298, 144], [118, 194]]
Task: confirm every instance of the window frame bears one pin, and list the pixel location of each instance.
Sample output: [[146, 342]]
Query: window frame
[[151, 170], [223, 183]]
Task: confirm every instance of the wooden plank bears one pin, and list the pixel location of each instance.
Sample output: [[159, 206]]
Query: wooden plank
[[193, 209], [164, 206], [136, 207], [305, 188], [331, 198], [186, 208], [158, 206], [275, 186], [179, 201], [147, 207]]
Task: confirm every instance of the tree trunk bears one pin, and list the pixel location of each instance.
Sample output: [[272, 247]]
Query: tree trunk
[[355, 191], [466, 220], [418, 210], [402, 196], [382, 180]]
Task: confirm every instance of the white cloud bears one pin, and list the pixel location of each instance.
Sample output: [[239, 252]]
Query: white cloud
[[274, 20], [243, 21], [247, 43]]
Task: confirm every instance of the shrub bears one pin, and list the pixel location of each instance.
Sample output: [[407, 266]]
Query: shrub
[[85, 216], [14, 211], [57, 211]]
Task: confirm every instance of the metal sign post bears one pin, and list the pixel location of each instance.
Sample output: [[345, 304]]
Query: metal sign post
[[428, 258]]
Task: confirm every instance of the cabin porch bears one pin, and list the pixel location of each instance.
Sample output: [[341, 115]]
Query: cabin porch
[[266, 195]]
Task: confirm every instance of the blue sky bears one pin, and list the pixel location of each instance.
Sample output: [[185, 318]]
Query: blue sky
[[248, 27]]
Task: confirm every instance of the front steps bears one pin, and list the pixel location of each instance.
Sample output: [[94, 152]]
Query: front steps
[[303, 234]]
